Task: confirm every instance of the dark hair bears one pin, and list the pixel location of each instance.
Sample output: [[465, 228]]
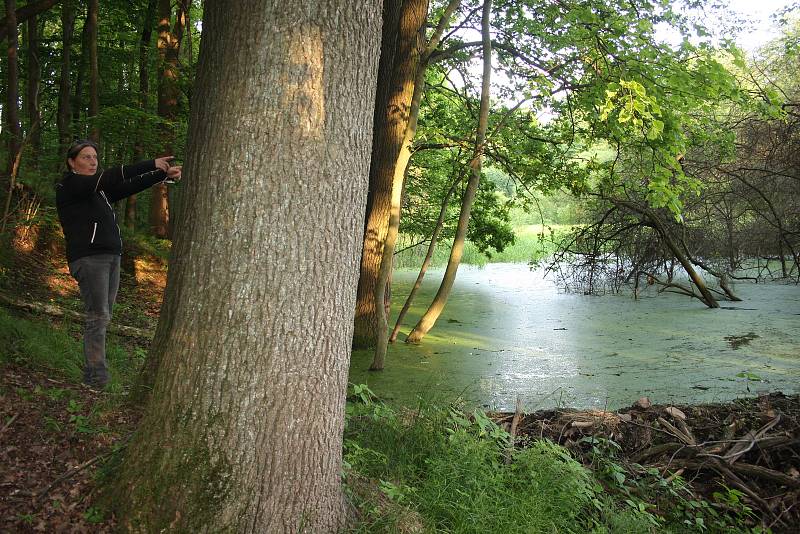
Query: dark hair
[[76, 147]]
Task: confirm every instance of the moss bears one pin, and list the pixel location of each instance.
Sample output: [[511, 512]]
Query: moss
[[154, 477]]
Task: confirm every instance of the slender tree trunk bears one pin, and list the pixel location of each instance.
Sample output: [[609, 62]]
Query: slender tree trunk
[[34, 71], [169, 50], [94, 70], [144, 96], [243, 432], [427, 321], [782, 257], [77, 101], [11, 113], [144, 48], [188, 45], [427, 261], [384, 274], [707, 297], [63, 117]]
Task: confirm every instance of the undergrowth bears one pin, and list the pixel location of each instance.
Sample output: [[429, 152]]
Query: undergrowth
[[439, 469], [49, 346]]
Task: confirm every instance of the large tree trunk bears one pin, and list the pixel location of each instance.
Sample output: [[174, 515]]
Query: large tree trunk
[[94, 69], [376, 222], [427, 321], [243, 432], [34, 71], [403, 63], [63, 117], [409, 74]]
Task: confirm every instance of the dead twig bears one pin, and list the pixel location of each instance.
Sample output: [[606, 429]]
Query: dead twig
[[514, 426], [9, 423], [749, 440], [69, 474]]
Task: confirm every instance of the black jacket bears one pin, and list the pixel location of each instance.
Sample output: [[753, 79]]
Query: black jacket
[[84, 206]]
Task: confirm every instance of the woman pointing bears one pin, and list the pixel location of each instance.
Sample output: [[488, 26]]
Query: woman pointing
[[94, 246]]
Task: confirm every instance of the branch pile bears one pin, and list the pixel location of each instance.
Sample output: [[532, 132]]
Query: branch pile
[[752, 445]]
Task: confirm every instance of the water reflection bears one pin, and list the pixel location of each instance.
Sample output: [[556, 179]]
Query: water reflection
[[507, 332]]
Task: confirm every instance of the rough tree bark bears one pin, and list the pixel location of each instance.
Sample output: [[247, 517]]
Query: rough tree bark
[[402, 112], [423, 54], [243, 432], [427, 321], [391, 103], [389, 162]]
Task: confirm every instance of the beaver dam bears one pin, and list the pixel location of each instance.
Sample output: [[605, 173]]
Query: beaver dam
[[750, 445]]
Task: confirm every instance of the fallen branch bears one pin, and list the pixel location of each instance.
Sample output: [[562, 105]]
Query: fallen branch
[[69, 474], [514, 426], [749, 440]]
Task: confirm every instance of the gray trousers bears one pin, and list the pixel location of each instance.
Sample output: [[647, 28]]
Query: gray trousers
[[98, 280]]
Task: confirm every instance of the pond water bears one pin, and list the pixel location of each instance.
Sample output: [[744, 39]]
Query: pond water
[[507, 332]]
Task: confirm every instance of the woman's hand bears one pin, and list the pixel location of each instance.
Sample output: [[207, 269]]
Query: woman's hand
[[174, 173], [163, 163]]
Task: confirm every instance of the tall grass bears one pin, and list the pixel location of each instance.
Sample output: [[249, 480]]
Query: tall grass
[[450, 470]]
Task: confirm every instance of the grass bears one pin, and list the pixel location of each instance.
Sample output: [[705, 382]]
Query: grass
[[52, 347], [533, 242], [448, 471]]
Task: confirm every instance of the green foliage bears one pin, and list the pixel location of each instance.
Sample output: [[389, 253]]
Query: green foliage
[[94, 515], [638, 499], [489, 226]]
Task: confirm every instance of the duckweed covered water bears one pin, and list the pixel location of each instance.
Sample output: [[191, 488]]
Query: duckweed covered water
[[507, 332]]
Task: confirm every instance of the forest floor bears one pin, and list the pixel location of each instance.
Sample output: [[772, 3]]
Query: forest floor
[[56, 434]]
